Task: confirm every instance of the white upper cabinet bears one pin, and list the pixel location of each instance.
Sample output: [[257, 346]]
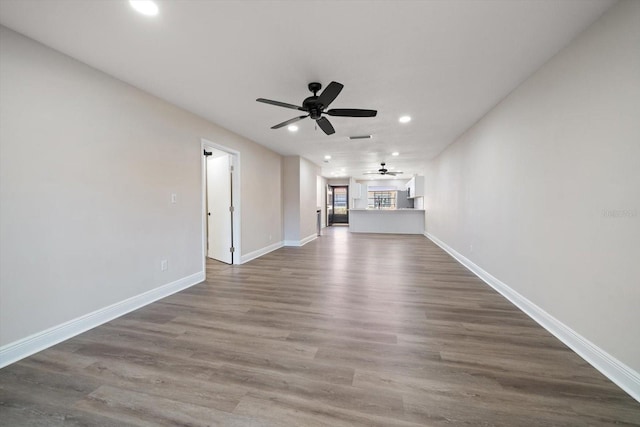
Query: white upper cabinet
[[415, 187], [356, 191]]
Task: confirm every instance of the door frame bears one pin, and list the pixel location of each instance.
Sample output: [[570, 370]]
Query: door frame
[[235, 199], [333, 202], [329, 220], [219, 216]]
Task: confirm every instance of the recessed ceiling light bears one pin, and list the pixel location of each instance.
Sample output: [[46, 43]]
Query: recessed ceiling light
[[293, 128], [404, 119], [395, 153], [327, 157], [146, 7]]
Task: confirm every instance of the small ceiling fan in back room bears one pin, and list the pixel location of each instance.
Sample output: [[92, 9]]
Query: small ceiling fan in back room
[[384, 171], [315, 107]]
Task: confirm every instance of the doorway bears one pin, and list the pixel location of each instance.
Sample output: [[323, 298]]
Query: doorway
[[219, 206], [220, 199], [337, 204]]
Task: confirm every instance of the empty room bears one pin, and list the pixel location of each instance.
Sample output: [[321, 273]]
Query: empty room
[[319, 213]]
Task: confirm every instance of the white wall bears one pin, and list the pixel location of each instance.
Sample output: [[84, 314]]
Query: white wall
[[544, 192], [321, 199], [87, 167], [300, 199], [400, 184], [308, 199], [338, 181], [291, 202]]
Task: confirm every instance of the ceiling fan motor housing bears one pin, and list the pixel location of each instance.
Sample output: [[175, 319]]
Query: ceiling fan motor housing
[[314, 108], [311, 103]]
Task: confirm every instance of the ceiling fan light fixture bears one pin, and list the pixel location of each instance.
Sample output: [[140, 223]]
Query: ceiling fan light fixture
[[145, 7], [404, 119]]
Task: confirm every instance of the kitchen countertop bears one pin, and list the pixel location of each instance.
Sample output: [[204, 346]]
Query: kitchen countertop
[[394, 221]]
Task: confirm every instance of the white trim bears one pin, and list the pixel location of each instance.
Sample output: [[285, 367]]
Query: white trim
[[25, 347], [235, 198], [263, 251], [309, 238], [622, 375]]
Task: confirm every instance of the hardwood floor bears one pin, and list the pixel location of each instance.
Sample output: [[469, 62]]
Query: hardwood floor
[[348, 330]]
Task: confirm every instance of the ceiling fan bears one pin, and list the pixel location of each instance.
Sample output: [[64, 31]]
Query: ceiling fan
[[315, 105], [384, 171]]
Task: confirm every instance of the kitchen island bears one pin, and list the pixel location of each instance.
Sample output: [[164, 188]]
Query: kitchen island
[[394, 221]]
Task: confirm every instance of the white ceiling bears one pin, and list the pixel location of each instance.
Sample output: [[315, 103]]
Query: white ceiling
[[443, 62]]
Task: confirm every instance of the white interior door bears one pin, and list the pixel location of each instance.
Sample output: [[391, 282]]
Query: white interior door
[[219, 213]]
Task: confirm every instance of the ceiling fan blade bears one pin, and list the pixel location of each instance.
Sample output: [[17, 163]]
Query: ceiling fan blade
[[330, 93], [280, 104], [325, 125], [351, 112], [288, 122]]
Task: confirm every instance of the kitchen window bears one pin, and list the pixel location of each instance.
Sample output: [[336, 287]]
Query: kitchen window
[[385, 199]]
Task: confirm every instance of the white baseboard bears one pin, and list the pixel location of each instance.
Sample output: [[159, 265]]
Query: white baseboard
[[309, 238], [302, 242], [263, 251], [25, 347], [621, 374]]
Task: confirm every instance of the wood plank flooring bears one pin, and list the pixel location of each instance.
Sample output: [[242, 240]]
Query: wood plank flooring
[[349, 330]]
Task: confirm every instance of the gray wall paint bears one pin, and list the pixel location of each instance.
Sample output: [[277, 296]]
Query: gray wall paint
[[87, 167], [544, 192]]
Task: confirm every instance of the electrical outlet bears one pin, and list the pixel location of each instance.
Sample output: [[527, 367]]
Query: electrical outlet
[[174, 198], [164, 265]]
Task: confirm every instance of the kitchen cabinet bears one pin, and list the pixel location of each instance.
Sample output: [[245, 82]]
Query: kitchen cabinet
[[415, 187]]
